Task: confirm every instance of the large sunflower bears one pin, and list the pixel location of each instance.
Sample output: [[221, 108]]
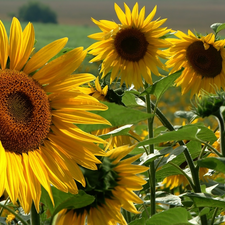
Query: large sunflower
[[112, 186], [39, 145], [202, 59], [130, 50]]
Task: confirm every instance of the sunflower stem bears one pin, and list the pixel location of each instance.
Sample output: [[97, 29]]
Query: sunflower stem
[[35, 218], [220, 120], [214, 215], [194, 170], [151, 150]]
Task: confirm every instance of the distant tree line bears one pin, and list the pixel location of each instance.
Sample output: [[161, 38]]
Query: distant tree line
[[37, 12]]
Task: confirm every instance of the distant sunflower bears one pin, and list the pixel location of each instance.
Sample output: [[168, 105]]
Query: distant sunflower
[[177, 180], [112, 186], [39, 145], [202, 59], [130, 50]]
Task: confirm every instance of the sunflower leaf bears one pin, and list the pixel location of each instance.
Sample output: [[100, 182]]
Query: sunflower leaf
[[124, 130], [172, 216], [169, 199], [160, 86], [194, 132], [206, 200], [217, 164], [64, 200], [118, 116], [194, 148], [217, 27], [138, 222]]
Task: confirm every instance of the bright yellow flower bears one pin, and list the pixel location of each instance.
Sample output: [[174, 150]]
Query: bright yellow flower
[[113, 190], [202, 59], [39, 145], [10, 218], [130, 50]]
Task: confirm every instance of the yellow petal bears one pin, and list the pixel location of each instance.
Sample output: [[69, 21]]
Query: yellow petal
[[61, 67], [40, 58], [74, 81], [3, 163], [27, 45], [40, 171], [14, 170], [4, 46], [80, 117], [150, 16], [120, 14], [32, 182], [15, 40]]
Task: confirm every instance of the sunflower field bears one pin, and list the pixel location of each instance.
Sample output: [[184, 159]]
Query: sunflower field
[[128, 129]]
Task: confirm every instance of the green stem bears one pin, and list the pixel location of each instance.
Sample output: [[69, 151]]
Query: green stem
[[194, 170], [152, 164], [222, 133], [126, 215], [210, 147], [189, 160], [214, 215], [15, 214], [35, 219], [5, 205], [146, 151]]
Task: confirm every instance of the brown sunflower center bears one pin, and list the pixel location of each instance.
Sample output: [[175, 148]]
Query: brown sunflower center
[[25, 115], [131, 44], [207, 63]]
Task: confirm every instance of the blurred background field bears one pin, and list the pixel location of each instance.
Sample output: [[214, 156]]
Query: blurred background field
[[74, 22]]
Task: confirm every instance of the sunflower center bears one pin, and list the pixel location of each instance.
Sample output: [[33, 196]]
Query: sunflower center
[[131, 44], [25, 115], [207, 63]]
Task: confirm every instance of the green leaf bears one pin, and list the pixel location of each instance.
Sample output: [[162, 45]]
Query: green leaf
[[160, 86], [129, 99], [118, 116], [214, 163], [189, 115], [194, 148], [173, 216], [169, 199], [138, 222], [189, 132], [206, 200], [172, 155], [64, 200], [221, 27], [124, 130], [204, 211], [147, 159], [215, 26]]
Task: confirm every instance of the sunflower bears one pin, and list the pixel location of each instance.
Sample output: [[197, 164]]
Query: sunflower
[[130, 50], [202, 59], [112, 185], [177, 180], [38, 142]]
